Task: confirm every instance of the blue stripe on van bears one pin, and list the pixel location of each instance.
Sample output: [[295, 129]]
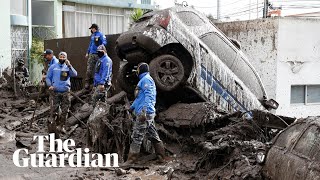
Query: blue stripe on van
[[225, 94]]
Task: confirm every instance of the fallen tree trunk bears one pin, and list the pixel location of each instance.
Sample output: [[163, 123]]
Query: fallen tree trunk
[[82, 114], [117, 98]]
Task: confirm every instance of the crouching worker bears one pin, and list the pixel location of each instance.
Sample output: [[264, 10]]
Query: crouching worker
[[144, 109], [58, 81], [102, 76]]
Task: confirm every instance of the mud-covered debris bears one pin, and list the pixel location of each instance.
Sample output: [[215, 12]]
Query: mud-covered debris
[[189, 115], [6, 136], [120, 171]]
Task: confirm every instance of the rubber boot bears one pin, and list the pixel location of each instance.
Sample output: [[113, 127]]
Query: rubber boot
[[160, 151], [133, 154]]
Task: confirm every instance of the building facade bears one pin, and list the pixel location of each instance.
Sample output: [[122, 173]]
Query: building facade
[[72, 18], [286, 54]]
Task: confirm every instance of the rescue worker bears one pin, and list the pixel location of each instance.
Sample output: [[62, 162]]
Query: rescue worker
[[58, 81], [50, 59], [97, 39], [22, 72], [102, 75], [143, 108]]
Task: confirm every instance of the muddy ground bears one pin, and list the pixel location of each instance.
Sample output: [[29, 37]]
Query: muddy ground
[[201, 141]]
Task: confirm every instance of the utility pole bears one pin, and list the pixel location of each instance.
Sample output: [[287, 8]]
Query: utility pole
[[249, 9], [218, 9], [257, 9], [265, 8]]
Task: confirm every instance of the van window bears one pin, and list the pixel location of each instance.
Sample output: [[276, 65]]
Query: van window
[[308, 141], [288, 136], [219, 47], [243, 71], [190, 18]]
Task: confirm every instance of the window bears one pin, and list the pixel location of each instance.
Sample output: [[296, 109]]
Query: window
[[308, 140], [288, 136], [218, 46], [145, 1], [190, 18], [77, 16], [313, 94], [18, 7], [305, 94], [227, 54]]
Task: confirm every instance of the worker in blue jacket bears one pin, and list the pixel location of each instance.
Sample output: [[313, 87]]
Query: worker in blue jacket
[[50, 59], [58, 81], [102, 75], [143, 108], [97, 39]]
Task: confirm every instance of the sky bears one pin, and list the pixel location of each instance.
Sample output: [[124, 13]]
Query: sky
[[245, 9]]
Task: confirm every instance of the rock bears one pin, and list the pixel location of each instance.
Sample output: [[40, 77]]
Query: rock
[[6, 136], [120, 172]]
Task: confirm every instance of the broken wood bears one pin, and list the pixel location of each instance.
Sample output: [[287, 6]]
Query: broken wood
[[77, 97], [117, 98], [82, 114]]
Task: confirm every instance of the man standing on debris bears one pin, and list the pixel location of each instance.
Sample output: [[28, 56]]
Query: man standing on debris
[[97, 39], [58, 81], [144, 109], [102, 75], [21, 71], [51, 59]]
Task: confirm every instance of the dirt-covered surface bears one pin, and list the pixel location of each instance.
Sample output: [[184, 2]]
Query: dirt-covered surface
[[201, 141]]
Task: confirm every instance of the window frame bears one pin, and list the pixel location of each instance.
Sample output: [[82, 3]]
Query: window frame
[[305, 95], [203, 21]]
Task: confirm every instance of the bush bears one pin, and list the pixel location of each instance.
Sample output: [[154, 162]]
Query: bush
[[37, 50], [137, 14]]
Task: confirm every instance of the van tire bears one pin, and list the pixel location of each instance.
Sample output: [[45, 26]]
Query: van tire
[[167, 72]]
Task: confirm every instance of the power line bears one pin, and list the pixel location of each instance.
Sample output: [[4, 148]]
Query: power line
[[216, 6]]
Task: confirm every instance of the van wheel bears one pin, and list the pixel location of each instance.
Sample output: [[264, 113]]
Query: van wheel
[[167, 72]]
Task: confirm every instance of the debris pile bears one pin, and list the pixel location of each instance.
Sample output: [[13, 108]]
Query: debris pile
[[201, 141]]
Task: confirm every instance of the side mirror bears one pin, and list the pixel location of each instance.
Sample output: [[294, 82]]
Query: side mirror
[[271, 104]]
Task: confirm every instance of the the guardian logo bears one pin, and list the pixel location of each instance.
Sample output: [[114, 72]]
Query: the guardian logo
[[60, 154]]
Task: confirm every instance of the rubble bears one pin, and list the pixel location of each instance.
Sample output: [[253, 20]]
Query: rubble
[[201, 141]]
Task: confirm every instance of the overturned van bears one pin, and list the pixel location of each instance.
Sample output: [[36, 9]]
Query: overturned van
[[184, 49]]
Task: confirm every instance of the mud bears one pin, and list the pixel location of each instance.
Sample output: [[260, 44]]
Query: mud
[[201, 141]]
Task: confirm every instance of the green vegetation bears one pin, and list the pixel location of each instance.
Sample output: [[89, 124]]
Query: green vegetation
[[37, 50], [137, 14]]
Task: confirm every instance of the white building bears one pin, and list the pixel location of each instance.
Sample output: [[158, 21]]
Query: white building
[[286, 53]]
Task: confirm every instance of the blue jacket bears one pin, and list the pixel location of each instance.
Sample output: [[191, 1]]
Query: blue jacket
[[96, 40], [54, 60], [103, 71], [59, 77], [146, 98]]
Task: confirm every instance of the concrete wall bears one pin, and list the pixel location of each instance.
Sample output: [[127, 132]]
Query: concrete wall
[[285, 52], [5, 45], [298, 63], [258, 39]]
